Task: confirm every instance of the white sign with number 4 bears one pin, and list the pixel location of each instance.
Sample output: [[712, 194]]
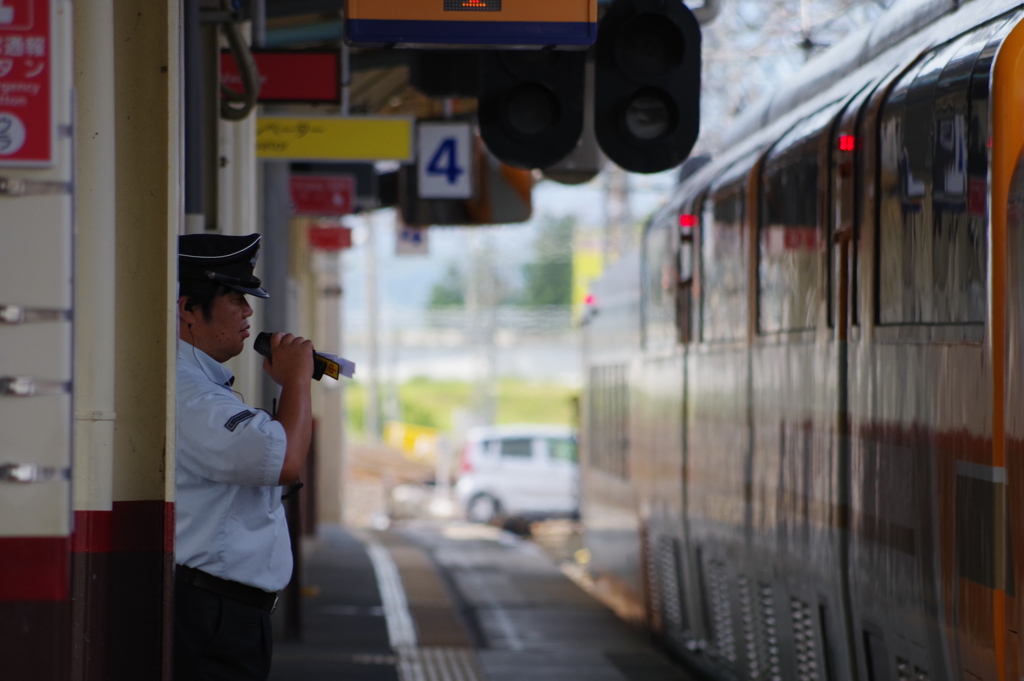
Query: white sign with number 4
[[445, 161]]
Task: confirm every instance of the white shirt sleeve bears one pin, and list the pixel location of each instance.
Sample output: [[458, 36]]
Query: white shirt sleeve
[[222, 439]]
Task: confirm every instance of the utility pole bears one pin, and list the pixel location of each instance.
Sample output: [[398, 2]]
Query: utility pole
[[618, 235], [481, 304], [372, 422]]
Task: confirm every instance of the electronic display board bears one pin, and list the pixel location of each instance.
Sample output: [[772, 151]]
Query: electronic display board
[[569, 24], [472, 5]]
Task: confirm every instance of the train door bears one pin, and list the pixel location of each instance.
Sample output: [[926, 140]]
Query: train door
[[656, 429], [794, 551], [845, 157], [717, 436], [913, 299]]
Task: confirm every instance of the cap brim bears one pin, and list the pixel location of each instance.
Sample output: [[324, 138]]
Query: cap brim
[[258, 292]]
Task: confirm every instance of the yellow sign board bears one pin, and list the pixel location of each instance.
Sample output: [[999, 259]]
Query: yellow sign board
[[587, 266], [365, 138], [418, 443]]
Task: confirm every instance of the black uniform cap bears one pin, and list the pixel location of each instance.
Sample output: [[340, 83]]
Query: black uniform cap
[[228, 260]]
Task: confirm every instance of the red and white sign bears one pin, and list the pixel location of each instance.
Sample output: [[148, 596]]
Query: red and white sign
[[778, 239], [26, 96], [289, 75], [330, 237], [323, 194]]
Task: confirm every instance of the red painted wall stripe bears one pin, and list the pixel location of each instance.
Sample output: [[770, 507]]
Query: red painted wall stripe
[[38, 568], [92, 532], [130, 527], [34, 568]]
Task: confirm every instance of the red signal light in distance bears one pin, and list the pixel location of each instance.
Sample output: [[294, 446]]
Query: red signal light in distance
[[589, 300], [847, 143], [687, 220]]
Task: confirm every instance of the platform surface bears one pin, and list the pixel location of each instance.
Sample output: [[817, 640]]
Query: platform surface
[[433, 601]]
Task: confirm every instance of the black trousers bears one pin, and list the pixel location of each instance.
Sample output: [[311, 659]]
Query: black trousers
[[219, 639]]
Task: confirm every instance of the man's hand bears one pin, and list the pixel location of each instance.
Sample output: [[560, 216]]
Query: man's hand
[[292, 369], [292, 358]]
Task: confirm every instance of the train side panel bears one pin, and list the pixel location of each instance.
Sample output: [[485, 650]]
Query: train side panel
[[838, 499], [611, 341]]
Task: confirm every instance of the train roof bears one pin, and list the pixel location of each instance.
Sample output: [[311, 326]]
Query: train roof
[[904, 32], [889, 33]]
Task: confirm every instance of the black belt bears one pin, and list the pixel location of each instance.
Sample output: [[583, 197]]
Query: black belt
[[250, 595]]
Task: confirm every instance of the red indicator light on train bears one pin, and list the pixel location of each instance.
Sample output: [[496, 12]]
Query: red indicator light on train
[[687, 220], [847, 143]]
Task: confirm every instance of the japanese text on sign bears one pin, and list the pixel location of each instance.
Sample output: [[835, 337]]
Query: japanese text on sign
[[355, 138], [26, 113]]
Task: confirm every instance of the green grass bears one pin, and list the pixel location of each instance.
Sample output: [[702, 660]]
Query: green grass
[[431, 403]]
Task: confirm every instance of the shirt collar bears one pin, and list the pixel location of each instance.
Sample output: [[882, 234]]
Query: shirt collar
[[196, 358]]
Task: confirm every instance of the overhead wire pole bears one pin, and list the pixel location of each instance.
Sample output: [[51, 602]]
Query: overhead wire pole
[[618, 235], [372, 411], [482, 308]]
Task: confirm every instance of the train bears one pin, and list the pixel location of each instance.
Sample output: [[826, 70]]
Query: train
[[802, 420]]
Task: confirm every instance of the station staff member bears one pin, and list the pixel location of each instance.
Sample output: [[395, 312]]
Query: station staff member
[[231, 540]]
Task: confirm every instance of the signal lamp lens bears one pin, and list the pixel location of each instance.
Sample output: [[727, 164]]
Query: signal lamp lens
[[650, 45], [589, 300], [687, 220], [531, 109], [847, 143], [649, 115]]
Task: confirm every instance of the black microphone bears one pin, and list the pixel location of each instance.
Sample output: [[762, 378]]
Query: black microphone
[[323, 362]]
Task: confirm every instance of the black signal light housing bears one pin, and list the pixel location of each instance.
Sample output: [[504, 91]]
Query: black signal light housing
[[647, 99], [530, 105]]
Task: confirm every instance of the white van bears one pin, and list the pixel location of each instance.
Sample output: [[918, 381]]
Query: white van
[[519, 471]]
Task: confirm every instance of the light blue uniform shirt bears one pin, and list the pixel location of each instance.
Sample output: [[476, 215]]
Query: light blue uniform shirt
[[230, 521]]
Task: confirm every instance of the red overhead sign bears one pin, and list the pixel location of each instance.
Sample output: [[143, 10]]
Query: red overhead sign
[[323, 194], [289, 75], [330, 237], [26, 95]]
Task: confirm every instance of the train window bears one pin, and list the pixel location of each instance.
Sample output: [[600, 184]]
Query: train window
[[659, 283], [789, 233], [723, 242], [933, 181]]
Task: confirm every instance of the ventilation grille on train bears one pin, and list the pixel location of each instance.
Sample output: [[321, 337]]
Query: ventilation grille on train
[[671, 600], [750, 638], [720, 611], [808, 662], [650, 549], [770, 633], [908, 672]]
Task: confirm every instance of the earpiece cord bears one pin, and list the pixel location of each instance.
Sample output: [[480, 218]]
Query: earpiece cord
[[203, 369]]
